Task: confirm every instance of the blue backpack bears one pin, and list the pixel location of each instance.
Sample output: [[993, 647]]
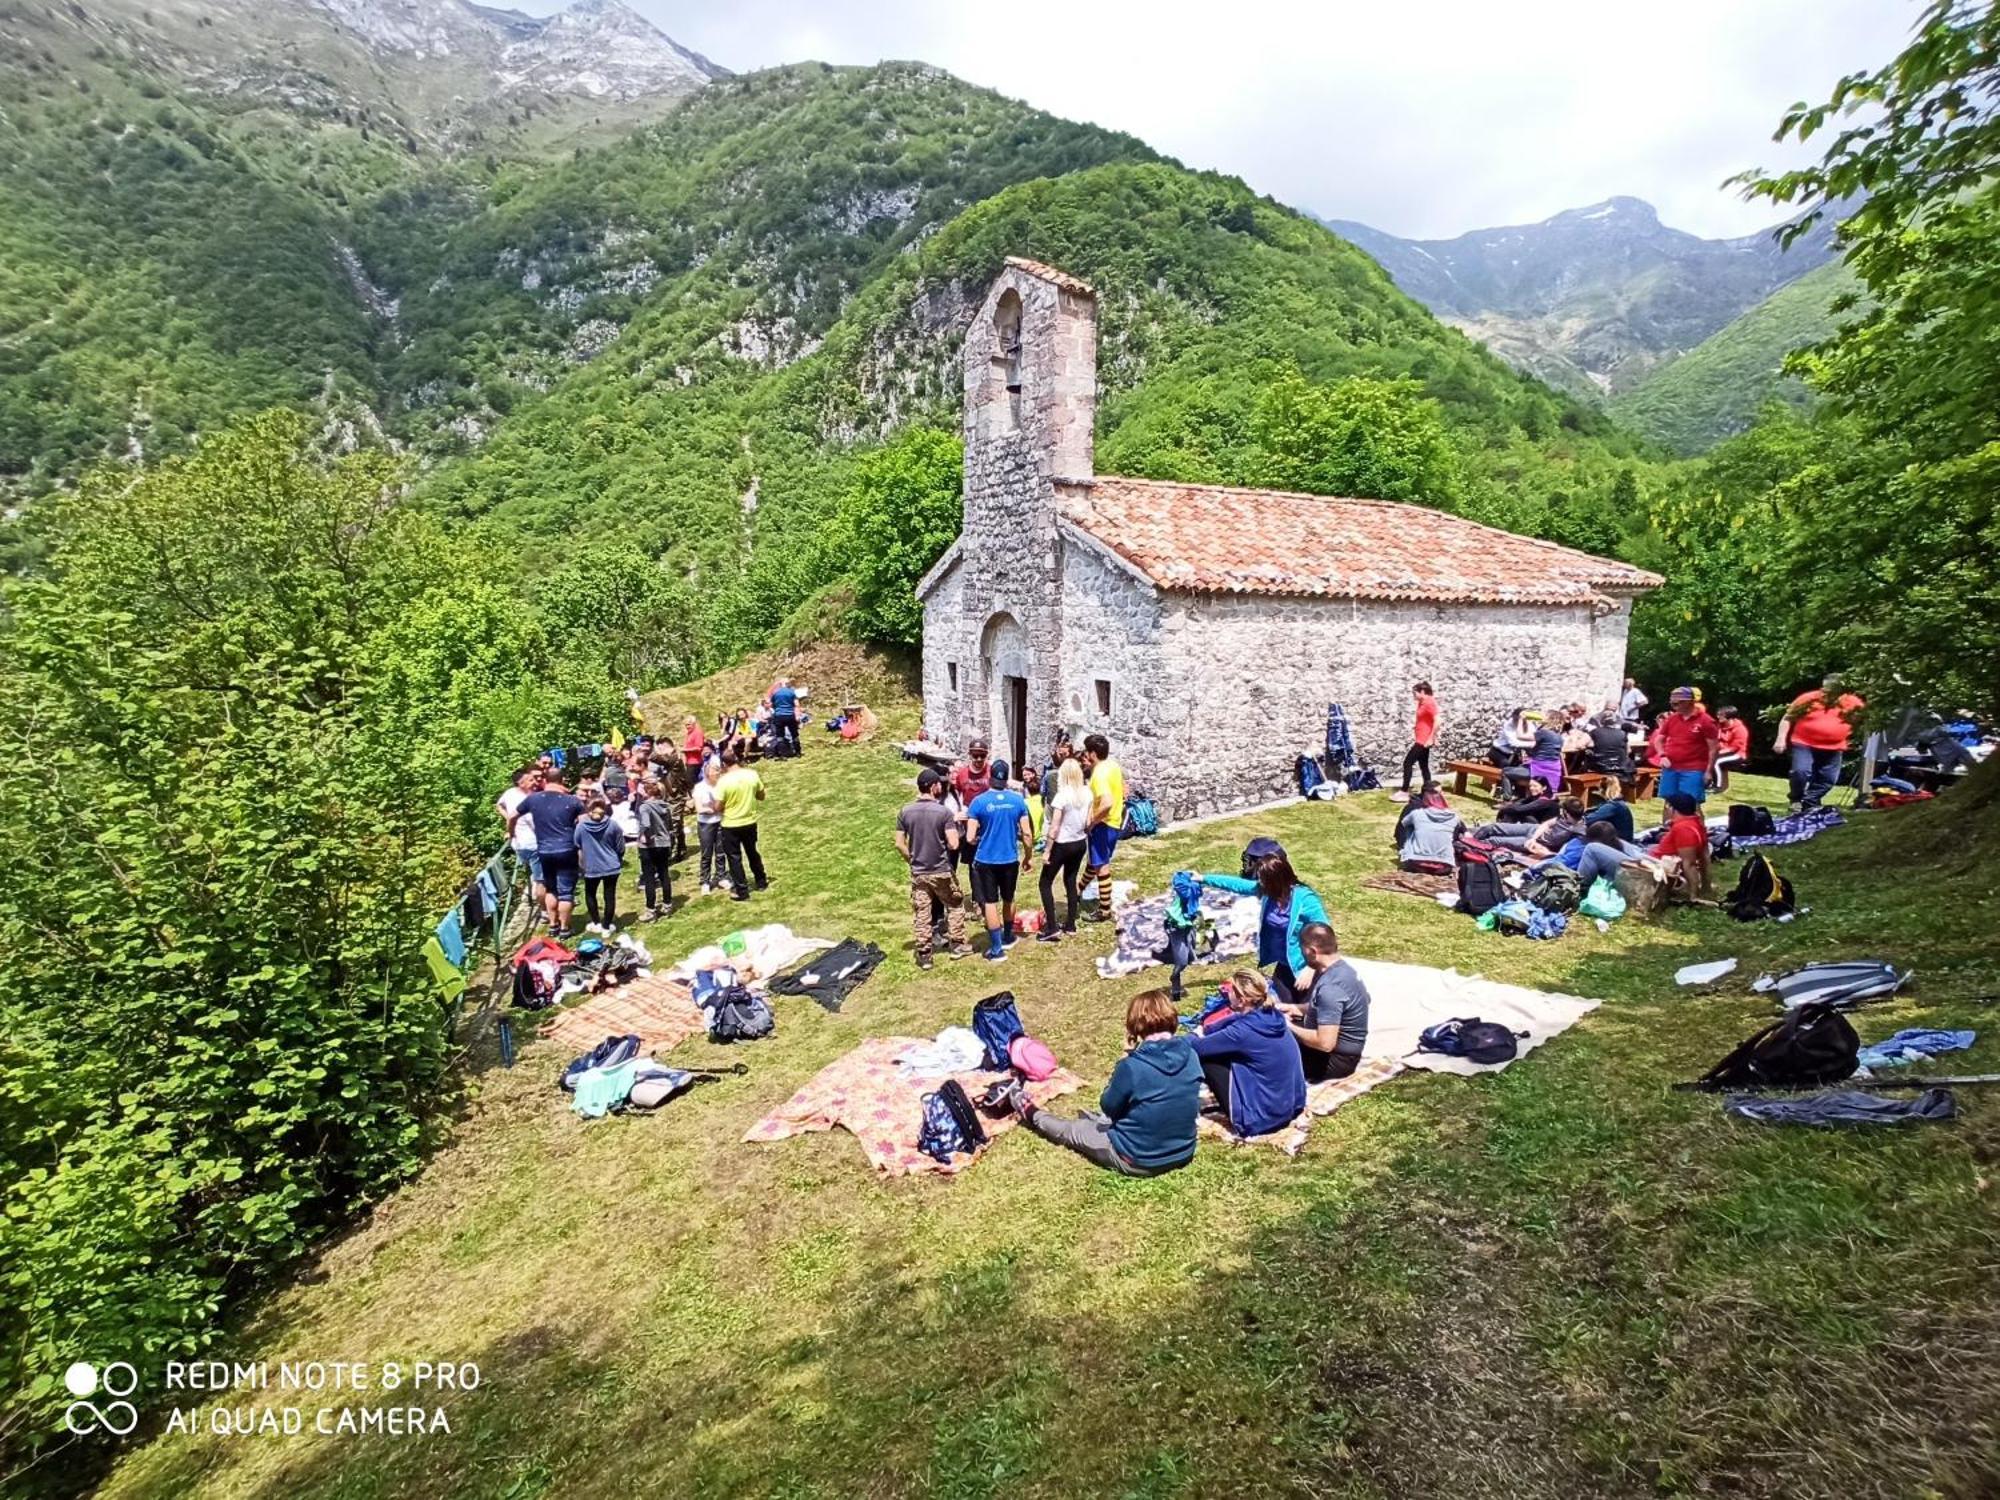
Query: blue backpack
[[1311, 777], [608, 1053], [996, 1022], [1141, 817]]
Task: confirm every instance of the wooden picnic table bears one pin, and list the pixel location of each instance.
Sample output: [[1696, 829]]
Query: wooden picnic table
[[1587, 785]]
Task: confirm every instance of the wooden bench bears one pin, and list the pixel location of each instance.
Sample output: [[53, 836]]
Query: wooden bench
[[1587, 785]]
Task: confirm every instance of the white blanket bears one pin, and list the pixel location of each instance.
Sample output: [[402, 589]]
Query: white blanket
[[763, 951], [1404, 999]]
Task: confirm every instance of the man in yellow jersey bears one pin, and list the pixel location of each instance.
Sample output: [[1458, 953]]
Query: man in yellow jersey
[[740, 790], [1107, 817]]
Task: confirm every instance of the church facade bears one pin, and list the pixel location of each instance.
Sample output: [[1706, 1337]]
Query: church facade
[[1204, 629]]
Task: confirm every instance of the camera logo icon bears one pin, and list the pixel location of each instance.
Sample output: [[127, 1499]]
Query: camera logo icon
[[117, 1417]]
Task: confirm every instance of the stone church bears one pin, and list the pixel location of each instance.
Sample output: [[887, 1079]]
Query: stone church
[[1205, 629]]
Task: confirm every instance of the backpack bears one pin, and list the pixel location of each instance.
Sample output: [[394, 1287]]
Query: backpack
[[996, 1023], [1747, 822], [1479, 886], [608, 1053], [1031, 1058], [1553, 889], [1472, 1039], [1836, 984], [1311, 777], [951, 1125], [740, 1016], [1363, 779], [1760, 892], [1808, 1047], [1142, 818]]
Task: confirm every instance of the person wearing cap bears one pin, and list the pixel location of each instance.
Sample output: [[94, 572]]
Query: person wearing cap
[[1686, 742], [1817, 729], [969, 778], [927, 836], [996, 822]]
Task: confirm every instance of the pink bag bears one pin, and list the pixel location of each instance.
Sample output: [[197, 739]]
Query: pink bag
[[1031, 1059]]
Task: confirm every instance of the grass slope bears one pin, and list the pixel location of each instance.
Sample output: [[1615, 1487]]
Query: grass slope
[[1716, 388], [1561, 1280]]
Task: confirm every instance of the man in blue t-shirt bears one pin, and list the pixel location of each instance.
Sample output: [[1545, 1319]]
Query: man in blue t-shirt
[[785, 718], [997, 824], [555, 810]]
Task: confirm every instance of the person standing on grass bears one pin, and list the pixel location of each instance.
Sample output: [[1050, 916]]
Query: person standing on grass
[[1144, 1123], [694, 744], [554, 812], [926, 835], [521, 827], [1422, 736], [708, 823], [1817, 728], [1686, 742], [1330, 1020], [657, 824], [1069, 834], [785, 718], [1107, 818], [1252, 1064], [1038, 805], [969, 779], [997, 824], [740, 790], [600, 846], [1632, 703]]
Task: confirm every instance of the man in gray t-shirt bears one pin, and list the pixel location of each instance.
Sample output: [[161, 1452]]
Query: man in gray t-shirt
[[1331, 1023], [927, 836]]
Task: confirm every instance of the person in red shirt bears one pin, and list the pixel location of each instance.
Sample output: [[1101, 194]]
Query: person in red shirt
[[1735, 745], [1686, 839], [1818, 728], [971, 777], [1685, 744], [1422, 737]]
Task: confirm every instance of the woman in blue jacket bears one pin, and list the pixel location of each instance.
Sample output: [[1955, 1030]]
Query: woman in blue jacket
[[1289, 906], [1251, 1063], [1145, 1119]]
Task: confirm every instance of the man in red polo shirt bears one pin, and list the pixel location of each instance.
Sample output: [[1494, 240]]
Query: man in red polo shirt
[[1819, 726], [1685, 743]]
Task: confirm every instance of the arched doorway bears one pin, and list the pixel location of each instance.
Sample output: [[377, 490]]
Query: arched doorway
[[1003, 658]]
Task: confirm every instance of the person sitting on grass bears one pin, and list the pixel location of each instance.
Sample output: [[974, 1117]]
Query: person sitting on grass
[[1603, 854], [1144, 1123], [1330, 1020], [1427, 834], [1734, 749], [1288, 905], [1251, 1065], [1544, 840], [1687, 839], [1533, 806]]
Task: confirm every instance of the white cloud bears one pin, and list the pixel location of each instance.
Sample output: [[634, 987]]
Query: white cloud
[[1423, 117]]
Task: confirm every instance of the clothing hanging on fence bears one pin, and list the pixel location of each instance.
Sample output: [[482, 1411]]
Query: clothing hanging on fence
[[472, 911], [489, 884], [451, 938], [1339, 740]]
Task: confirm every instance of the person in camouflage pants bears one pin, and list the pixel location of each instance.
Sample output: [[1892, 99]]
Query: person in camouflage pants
[[927, 835]]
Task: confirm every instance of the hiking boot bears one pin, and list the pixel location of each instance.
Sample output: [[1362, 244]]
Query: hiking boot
[[958, 951], [925, 961]]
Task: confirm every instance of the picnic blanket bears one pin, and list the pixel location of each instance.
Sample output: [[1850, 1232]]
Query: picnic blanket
[[1404, 999], [756, 953], [865, 1093], [1795, 829], [1412, 883], [1142, 931], [659, 1011]]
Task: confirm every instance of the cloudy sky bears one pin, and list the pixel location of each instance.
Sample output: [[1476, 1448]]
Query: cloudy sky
[[1422, 117]]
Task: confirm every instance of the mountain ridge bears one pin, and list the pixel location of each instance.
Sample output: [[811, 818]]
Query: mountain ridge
[[1592, 299]]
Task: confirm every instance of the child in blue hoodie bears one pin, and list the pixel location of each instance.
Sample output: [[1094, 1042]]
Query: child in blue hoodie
[[1144, 1123], [1252, 1064]]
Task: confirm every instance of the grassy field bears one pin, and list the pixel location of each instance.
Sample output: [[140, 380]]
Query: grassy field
[[1563, 1280]]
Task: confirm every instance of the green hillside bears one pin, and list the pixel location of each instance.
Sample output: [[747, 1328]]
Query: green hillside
[[1716, 388]]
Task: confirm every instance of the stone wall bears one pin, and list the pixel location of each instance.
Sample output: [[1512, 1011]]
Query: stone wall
[[1251, 679], [1111, 635]]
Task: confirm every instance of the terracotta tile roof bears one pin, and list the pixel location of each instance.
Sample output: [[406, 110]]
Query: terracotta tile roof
[[1062, 279], [1212, 539]]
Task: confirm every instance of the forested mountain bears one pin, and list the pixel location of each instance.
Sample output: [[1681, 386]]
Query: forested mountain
[[1716, 389], [1594, 299]]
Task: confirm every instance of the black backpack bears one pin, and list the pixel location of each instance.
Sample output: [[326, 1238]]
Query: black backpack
[[1479, 886], [741, 1016], [1810, 1046], [1472, 1039], [1760, 892], [1747, 822]]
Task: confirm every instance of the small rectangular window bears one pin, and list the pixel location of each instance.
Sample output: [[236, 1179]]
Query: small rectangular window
[[1104, 696], [951, 670]]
